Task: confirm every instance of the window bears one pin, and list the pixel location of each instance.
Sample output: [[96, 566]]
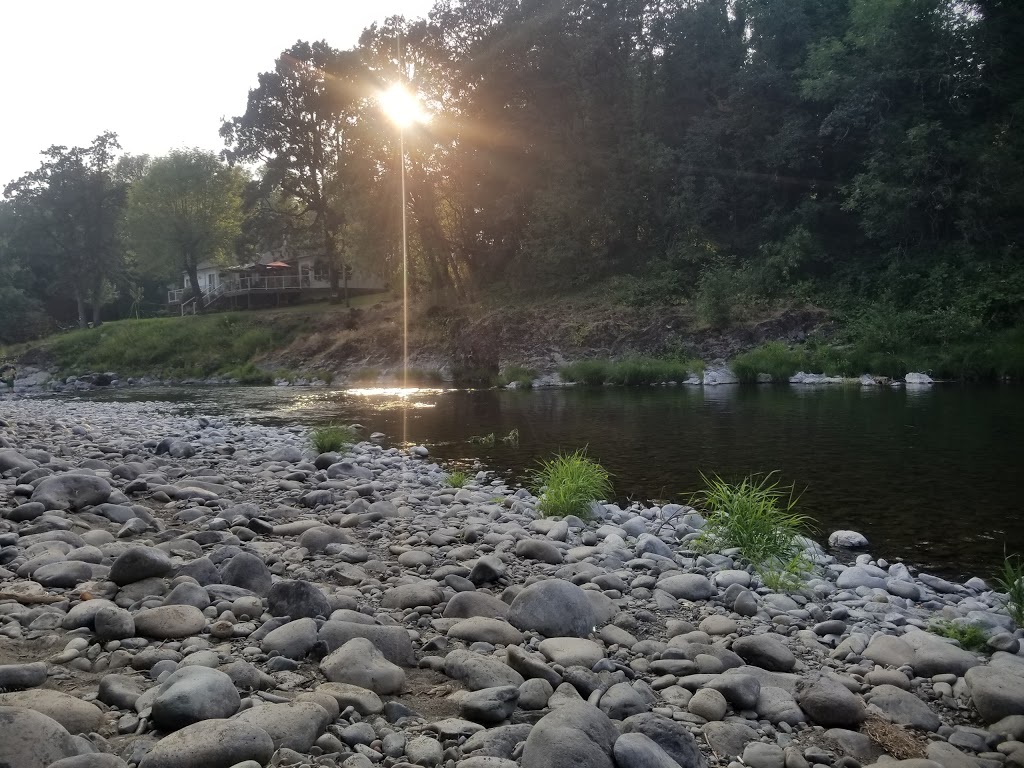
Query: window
[[321, 273]]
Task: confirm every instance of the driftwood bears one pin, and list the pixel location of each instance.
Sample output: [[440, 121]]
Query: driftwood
[[31, 599]]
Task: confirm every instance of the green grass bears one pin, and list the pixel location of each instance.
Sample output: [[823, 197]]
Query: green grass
[[1011, 581], [774, 358], [457, 479], [757, 517], [970, 636], [631, 372], [519, 374], [569, 483], [249, 375], [333, 438]]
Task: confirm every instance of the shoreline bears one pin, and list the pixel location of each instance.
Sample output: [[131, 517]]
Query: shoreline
[[638, 632]]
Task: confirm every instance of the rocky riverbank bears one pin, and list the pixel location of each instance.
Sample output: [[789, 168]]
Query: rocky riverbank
[[184, 592]]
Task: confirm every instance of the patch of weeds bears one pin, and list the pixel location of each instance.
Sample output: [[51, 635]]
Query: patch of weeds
[[332, 438], [457, 479], [486, 440], [786, 575], [970, 636], [593, 373], [774, 358], [1011, 582], [512, 438], [631, 372], [569, 483], [757, 517], [519, 375], [250, 375]]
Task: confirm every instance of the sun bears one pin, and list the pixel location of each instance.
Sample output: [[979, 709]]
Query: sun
[[401, 106]]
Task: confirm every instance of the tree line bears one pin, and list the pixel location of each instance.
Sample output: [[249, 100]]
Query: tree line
[[861, 154]]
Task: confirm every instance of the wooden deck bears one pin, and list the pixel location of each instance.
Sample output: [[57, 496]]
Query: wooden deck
[[245, 286]]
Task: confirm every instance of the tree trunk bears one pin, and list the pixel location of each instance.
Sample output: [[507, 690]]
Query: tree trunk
[[344, 271], [193, 276], [331, 253], [81, 307], [97, 309]]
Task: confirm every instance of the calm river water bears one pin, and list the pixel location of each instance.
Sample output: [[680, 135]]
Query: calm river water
[[931, 476]]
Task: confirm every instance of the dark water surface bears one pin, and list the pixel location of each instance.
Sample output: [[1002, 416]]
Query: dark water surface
[[931, 476]]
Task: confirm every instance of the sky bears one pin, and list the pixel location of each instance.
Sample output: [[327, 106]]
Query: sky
[[161, 75]]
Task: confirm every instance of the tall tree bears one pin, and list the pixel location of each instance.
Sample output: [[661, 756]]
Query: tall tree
[[296, 124], [186, 209], [67, 214]]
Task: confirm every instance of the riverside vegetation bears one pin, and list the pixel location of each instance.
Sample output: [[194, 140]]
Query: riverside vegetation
[[181, 591]]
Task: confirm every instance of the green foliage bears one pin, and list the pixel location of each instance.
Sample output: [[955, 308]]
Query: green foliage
[[520, 375], [512, 438], [970, 636], [485, 440], [757, 517], [715, 294], [333, 438], [774, 358], [457, 479], [1011, 581], [569, 483], [249, 375], [631, 372]]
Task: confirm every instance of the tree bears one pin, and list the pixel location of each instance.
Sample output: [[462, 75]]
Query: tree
[[186, 209], [296, 123], [67, 216]]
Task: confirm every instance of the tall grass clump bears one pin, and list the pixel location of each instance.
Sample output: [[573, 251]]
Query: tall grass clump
[[593, 373], [631, 372], [774, 358], [970, 636], [457, 479], [757, 517], [1011, 581], [333, 438], [519, 375], [569, 483]]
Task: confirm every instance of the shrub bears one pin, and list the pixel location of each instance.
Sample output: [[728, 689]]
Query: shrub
[[457, 479], [333, 438], [250, 375], [570, 482], [773, 358], [970, 636], [520, 374], [715, 294], [757, 517], [631, 372], [593, 373], [1011, 581]]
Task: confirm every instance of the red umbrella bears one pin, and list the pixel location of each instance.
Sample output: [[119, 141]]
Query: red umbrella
[[277, 265]]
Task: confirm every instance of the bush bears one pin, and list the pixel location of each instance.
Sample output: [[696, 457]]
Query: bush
[[1011, 581], [774, 358], [520, 374], [715, 293], [569, 483], [333, 438], [756, 517], [593, 373], [970, 636]]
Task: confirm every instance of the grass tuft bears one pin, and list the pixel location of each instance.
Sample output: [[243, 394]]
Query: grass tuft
[[757, 517], [775, 359], [519, 375], [569, 483], [631, 372], [457, 479], [970, 636], [1011, 581], [333, 438]]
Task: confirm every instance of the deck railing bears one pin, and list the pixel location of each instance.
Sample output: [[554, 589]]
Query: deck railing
[[238, 286]]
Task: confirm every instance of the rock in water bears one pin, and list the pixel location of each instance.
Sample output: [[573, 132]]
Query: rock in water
[[211, 744], [576, 734], [554, 608], [847, 539]]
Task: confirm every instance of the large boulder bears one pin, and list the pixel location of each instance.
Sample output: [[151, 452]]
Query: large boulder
[[31, 739], [576, 734], [671, 736], [191, 694], [248, 571], [553, 608], [997, 692], [292, 725], [297, 599], [10, 459], [476, 671], [75, 715], [358, 662], [765, 651], [211, 744], [169, 621], [393, 642], [830, 703], [71, 491], [137, 563], [903, 707], [688, 586]]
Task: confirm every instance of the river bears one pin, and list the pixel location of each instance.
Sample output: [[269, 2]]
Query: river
[[931, 476]]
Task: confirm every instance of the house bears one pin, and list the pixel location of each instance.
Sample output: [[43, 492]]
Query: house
[[278, 276]]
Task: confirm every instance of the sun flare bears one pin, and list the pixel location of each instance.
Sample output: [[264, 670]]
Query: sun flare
[[401, 106]]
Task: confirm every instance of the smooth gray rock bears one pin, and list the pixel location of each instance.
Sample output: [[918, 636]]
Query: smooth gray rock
[[424, 751], [671, 736], [539, 549], [571, 651], [121, 691], [32, 740], [729, 739], [889, 651], [316, 540], [476, 671], [708, 703], [489, 705], [935, 657], [413, 595], [297, 599], [903, 707], [137, 563], [358, 662], [192, 694], [688, 586], [553, 608], [75, 715], [292, 725], [635, 750], [465, 605], [393, 642], [188, 593], [856, 576], [63, 575], [830, 703], [742, 691], [248, 571], [621, 701], [114, 624], [211, 744], [759, 755], [576, 734], [71, 491], [91, 760], [293, 641], [765, 651], [778, 706], [481, 629], [17, 676], [997, 692], [169, 621], [487, 569]]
